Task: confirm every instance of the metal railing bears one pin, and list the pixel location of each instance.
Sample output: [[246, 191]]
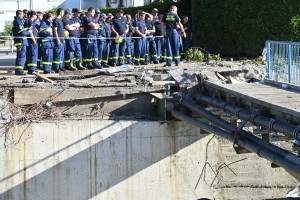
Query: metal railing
[[283, 61]]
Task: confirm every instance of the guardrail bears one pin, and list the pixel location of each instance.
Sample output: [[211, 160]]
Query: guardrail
[[283, 61]]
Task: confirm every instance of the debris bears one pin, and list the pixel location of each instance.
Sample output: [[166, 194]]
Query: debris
[[155, 83], [220, 76], [150, 72], [233, 80], [48, 103], [25, 80], [43, 77], [285, 86], [146, 79], [121, 68], [182, 78]]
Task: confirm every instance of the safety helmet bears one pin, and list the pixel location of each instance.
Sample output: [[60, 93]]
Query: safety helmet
[[119, 40], [49, 29], [66, 34]]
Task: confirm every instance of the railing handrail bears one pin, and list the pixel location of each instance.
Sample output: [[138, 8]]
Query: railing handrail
[[283, 61]]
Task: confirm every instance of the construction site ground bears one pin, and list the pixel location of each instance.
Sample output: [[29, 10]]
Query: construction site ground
[[133, 93], [117, 92]]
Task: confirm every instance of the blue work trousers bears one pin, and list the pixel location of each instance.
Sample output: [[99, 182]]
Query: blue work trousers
[[161, 48], [47, 56], [91, 47], [32, 57], [20, 59], [172, 47], [129, 50], [151, 52], [73, 50], [58, 55], [118, 51], [140, 50], [103, 48]]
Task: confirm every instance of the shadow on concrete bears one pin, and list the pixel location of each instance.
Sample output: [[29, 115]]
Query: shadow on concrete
[[116, 106], [102, 165]]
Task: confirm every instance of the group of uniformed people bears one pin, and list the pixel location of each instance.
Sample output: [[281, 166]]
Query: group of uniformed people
[[72, 40]]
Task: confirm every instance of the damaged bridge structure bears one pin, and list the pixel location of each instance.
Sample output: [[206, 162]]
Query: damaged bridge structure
[[203, 130]]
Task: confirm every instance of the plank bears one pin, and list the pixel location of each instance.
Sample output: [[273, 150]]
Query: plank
[[43, 77]]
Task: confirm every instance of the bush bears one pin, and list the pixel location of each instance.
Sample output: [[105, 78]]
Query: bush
[[240, 28], [196, 54]]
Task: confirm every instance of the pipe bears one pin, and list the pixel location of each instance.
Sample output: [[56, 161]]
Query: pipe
[[229, 127], [272, 124], [292, 168]]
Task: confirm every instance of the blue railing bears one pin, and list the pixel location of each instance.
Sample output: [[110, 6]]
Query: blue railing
[[283, 61]]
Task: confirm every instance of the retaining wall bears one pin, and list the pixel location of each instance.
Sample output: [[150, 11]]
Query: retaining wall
[[93, 159]]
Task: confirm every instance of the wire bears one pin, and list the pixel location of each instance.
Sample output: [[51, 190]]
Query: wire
[[101, 38]]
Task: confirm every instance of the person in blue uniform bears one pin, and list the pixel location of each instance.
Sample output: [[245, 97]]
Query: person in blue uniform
[[91, 27], [119, 28], [59, 41], [155, 15], [20, 33], [38, 21], [77, 42], [170, 22], [186, 41], [79, 54], [73, 48], [140, 31], [103, 43], [160, 40], [151, 53], [32, 48], [46, 34], [129, 42]]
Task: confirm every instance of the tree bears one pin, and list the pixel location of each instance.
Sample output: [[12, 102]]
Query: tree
[[8, 27]]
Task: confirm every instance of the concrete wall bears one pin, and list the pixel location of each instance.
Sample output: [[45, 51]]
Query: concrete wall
[[93, 159]]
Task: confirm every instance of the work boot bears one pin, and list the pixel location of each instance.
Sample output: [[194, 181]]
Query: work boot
[[20, 72], [79, 65], [89, 65], [71, 67], [67, 65]]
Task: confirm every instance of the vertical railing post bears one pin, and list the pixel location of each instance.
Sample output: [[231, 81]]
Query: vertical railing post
[[290, 63], [268, 58]]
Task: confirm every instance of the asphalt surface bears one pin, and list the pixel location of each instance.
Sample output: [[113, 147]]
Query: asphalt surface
[[7, 60]]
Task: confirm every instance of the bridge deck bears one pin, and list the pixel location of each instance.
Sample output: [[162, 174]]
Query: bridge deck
[[274, 98]]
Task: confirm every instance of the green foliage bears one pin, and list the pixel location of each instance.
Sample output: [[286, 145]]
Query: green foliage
[[216, 57], [54, 10], [295, 26], [260, 60], [8, 27], [240, 28], [194, 54]]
